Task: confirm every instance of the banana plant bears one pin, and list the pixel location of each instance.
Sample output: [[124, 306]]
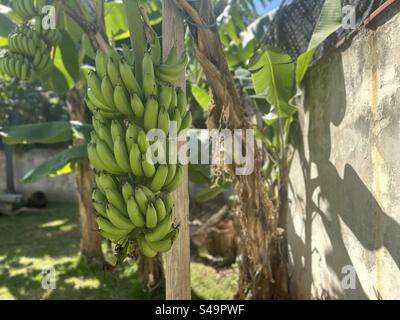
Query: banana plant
[[50, 133], [277, 79]]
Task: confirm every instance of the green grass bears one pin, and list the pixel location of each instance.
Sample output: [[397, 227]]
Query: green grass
[[34, 240]]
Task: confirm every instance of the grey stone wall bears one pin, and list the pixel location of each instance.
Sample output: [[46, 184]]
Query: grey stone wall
[[345, 179], [60, 188]]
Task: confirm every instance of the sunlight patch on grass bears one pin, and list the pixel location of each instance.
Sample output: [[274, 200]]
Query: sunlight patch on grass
[[68, 227], [53, 224], [5, 294], [207, 283], [81, 283]]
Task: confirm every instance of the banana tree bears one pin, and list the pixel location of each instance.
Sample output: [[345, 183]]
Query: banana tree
[[86, 26], [271, 79]]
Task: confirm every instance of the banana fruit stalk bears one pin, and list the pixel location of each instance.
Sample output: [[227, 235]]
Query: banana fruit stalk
[[29, 45], [133, 194]]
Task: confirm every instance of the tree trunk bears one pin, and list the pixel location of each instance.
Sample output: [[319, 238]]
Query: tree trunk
[[10, 185], [151, 272], [263, 267], [90, 246]]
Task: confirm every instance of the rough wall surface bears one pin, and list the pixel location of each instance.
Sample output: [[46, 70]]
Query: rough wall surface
[[61, 188], [345, 192]]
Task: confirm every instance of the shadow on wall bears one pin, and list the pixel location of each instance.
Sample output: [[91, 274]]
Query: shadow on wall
[[348, 198]]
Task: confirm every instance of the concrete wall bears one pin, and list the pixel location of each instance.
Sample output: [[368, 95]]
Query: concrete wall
[[345, 197], [61, 188]]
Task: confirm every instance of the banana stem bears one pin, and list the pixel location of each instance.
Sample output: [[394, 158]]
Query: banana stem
[[137, 35]]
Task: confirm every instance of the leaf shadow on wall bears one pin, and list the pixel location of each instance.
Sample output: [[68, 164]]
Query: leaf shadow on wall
[[346, 200]]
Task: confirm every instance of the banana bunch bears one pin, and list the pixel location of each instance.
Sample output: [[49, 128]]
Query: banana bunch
[[133, 196], [26, 9], [126, 210], [121, 148], [16, 65], [29, 45], [172, 69]]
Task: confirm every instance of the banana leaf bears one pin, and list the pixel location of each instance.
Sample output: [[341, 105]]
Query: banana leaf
[[45, 133], [62, 163]]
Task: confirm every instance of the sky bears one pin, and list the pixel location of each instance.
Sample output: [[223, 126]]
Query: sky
[[269, 7]]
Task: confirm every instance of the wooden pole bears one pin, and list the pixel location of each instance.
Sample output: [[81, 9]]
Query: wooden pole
[[10, 186], [177, 261]]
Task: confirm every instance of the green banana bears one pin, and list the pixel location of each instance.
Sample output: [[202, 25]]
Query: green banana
[[113, 72], [105, 135], [142, 142], [174, 184], [99, 196], [168, 202], [172, 57], [117, 129], [159, 178], [155, 50], [121, 101], [149, 82], [101, 62], [100, 208], [171, 173], [182, 101], [165, 97], [145, 249], [186, 121], [135, 160], [106, 181], [128, 54], [171, 73], [141, 200], [107, 158], [111, 237], [134, 213], [96, 102], [163, 120], [151, 114], [107, 227], [137, 106], [162, 229], [129, 79], [94, 157], [107, 90], [149, 87], [95, 86], [127, 191], [131, 135], [151, 216], [161, 246], [176, 116], [116, 199], [148, 167], [121, 154], [160, 209], [149, 194], [118, 219]]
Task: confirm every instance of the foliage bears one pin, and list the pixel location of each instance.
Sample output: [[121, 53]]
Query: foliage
[[49, 133], [278, 78], [18, 99], [61, 163]]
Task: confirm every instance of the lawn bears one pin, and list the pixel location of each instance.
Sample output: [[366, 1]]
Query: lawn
[[35, 240]]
